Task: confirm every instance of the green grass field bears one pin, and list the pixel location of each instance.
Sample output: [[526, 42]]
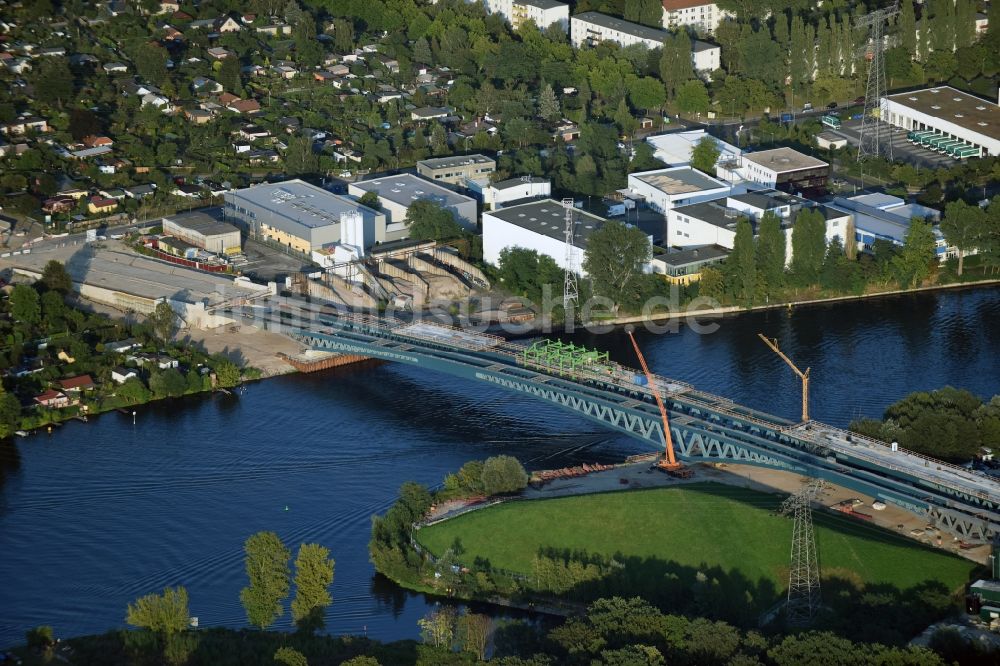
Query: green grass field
[[694, 525]]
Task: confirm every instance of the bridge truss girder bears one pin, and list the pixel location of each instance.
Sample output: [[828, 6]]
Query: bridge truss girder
[[704, 437]]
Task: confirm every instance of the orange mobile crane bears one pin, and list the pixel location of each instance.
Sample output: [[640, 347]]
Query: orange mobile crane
[[669, 463]]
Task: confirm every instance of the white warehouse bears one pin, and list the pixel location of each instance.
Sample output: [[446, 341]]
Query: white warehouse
[[539, 226], [665, 189], [397, 193], [946, 119]]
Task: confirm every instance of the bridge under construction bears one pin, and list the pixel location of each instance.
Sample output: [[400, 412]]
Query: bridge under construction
[[703, 427]]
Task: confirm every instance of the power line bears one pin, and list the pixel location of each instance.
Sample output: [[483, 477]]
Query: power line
[[571, 292]]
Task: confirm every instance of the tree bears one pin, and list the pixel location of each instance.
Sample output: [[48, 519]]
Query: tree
[[808, 246], [429, 220], [692, 97], [163, 319], [614, 260], [705, 154], [10, 413], [300, 158], [169, 382], [151, 62], [313, 577], [164, 614], [290, 657], [55, 277], [474, 633], [675, 63], [53, 81], [40, 638], [371, 200], [770, 253], [267, 568], [229, 76], [227, 373], [438, 627], [24, 305], [961, 226], [907, 26], [548, 104], [740, 267], [133, 391], [913, 263], [503, 474], [646, 93]]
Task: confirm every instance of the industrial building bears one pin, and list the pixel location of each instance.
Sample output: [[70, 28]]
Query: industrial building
[[946, 120], [780, 168], [714, 222], [666, 189], [886, 217], [542, 12], [504, 192], [456, 169], [674, 148], [204, 231], [539, 226], [683, 267], [298, 215], [397, 193]]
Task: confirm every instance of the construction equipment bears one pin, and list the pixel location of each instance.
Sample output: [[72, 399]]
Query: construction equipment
[[804, 376], [669, 463]]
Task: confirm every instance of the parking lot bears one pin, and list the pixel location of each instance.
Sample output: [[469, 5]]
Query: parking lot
[[902, 150]]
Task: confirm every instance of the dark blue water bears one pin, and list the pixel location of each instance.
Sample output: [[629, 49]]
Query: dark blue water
[[96, 514]]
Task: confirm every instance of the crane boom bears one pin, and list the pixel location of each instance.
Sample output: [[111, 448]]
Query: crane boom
[[670, 461], [804, 376]]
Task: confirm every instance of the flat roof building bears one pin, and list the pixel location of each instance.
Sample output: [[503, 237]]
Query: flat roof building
[[665, 189], [539, 226], [298, 215], [504, 192], [779, 168], [684, 266], [457, 168], [886, 217], [397, 193], [675, 148], [951, 121], [204, 231]]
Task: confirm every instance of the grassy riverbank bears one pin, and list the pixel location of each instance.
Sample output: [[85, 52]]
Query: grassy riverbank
[[700, 526]]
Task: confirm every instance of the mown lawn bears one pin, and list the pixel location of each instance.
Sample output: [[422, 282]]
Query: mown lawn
[[694, 525]]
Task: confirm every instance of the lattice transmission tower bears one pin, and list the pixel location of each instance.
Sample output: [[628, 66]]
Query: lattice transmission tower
[[876, 140], [571, 291], [803, 574]]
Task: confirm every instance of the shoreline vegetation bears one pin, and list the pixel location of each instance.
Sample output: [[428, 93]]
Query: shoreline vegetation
[[563, 577], [61, 362]]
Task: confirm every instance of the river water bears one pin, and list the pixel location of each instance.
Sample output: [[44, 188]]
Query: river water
[[96, 514]]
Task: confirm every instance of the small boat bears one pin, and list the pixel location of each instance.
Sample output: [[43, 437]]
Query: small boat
[[21, 433]]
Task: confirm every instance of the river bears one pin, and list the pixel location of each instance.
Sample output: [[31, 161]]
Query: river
[[96, 514]]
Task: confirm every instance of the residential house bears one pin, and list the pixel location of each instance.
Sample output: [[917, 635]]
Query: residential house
[[77, 384], [227, 24], [275, 29], [201, 84], [58, 204], [122, 346], [87, 153], [161, 361], [253, 132], [263, 156], [172, 34], [339, 70], [186, 191], [226, 98], [198, 116], [220, 53], [115, 67], [159, 101], [52, 51], [140, 191], [99, 204], [116, 193], [93, 141], [168, 7], [253, 70], [25, 124], [245, 106], [430, 113], [53, 399], [121, 375]]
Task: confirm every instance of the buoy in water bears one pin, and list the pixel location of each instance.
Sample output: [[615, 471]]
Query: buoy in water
[[286, 507]]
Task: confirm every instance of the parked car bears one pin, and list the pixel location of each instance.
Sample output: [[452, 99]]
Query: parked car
[[831, 105], [807, 106]]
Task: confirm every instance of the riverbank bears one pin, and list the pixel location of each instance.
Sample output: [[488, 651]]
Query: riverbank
[[789, 305]]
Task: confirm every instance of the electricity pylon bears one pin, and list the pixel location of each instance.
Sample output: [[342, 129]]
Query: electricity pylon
[[803, 574], [875, 139], [571, 292]]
